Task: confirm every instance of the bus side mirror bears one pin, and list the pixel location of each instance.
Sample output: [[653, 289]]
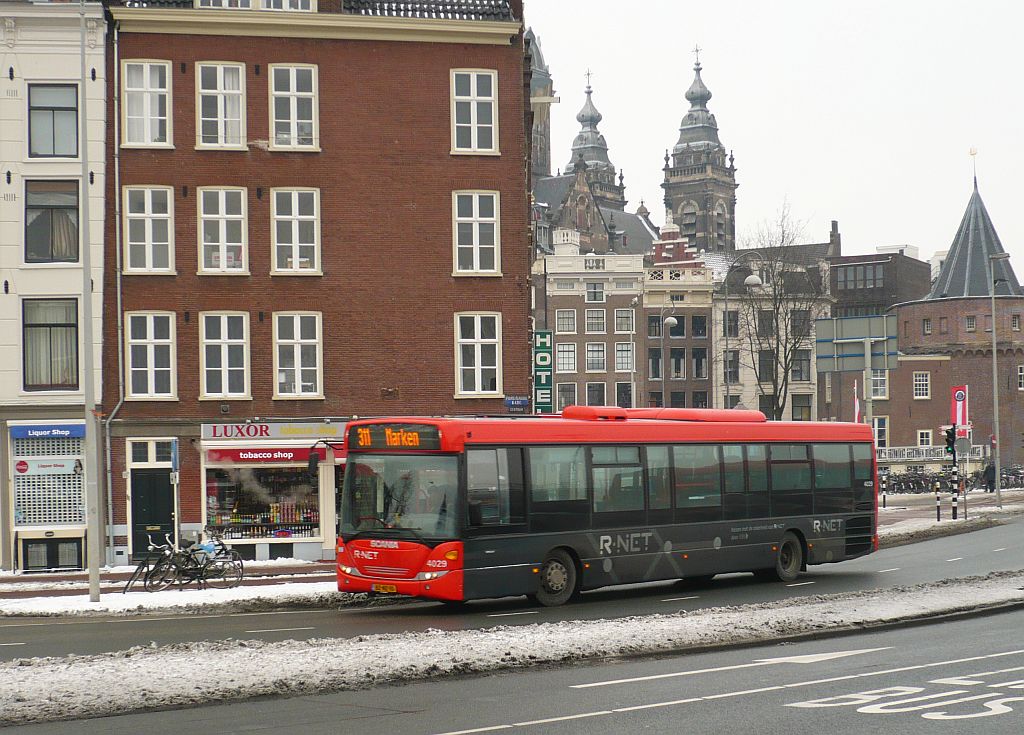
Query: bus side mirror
[[476, 515], [314, 463]]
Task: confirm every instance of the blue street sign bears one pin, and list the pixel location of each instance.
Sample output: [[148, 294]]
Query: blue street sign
[[174, 455], [48, 431]]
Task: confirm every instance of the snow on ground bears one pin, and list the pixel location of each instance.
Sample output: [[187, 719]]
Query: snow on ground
[[75, 687]]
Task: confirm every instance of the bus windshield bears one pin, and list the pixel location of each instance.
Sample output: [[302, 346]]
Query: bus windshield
[[417, 494]]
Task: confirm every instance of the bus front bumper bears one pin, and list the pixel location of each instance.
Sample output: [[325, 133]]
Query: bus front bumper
[[444, 586]]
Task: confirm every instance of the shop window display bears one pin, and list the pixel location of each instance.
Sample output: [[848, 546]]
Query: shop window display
[[262, 502]]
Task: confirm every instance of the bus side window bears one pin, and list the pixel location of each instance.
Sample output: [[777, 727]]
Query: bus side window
[[832, 486], [494, 486], [698, 482], [659, 487], [735, 482], [757, 481], [863, 474]]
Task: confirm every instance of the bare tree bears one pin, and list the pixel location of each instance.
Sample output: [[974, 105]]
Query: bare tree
[[776, 318]]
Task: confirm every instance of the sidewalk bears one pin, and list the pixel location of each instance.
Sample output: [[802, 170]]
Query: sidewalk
[[31, 584]]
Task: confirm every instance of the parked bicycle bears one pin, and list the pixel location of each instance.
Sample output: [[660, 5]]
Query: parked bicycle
[[209, 564], [154, 552]]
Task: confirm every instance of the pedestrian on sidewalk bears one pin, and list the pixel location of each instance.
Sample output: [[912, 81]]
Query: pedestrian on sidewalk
[[990, 477]]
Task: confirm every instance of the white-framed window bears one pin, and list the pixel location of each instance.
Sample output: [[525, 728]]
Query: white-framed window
[[623, 357], [880, 425], [596, 358], [148, 229], [596, 394], [220, 107], [564, 285], [926, 326], [227, 4], [1020, 377], [224, 355], [49, 339], [565, 357], [478, 354], [294, 108], [146, 90], [595, 321], [565, 321], [879, 383], [298, 355], [303, 5], [151, 355], [476, 230], [52, 120], [566, 393], [474, 111], [922, 385], [971, 323], [624, 323], [924, 437], [1015, 322], [296, 231], [595, 292], [223, 230]]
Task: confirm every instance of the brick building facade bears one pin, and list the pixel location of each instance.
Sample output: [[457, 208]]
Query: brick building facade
[[307, 221]]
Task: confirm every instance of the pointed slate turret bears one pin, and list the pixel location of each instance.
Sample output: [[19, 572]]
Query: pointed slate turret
[[590, 148], [589, 142], [965, 271]]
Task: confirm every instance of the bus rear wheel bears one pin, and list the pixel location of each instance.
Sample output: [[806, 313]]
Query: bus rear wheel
[[558, 579], [789, 559]]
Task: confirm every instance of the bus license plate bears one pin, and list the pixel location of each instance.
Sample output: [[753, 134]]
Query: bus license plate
[[389, 588]]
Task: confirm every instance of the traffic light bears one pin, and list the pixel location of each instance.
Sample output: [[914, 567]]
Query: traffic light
[[951, 442]]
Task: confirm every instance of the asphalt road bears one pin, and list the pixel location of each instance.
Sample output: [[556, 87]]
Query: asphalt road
[[959, 676], [997, 548]]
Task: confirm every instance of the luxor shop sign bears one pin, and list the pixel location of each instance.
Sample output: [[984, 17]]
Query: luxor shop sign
[[264, 430]]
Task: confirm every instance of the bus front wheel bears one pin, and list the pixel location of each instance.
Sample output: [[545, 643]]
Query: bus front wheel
[[558, 579]]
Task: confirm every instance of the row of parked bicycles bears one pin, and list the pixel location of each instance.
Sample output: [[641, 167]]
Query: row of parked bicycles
[[209, 564], [923, 482]]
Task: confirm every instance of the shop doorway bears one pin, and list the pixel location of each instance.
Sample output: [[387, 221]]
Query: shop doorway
[[152, 508]]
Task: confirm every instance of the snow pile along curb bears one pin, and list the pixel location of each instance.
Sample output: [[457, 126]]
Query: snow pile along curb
[[142, 678]]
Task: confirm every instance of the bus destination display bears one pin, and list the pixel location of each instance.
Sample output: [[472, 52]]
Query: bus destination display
[[394, 436]]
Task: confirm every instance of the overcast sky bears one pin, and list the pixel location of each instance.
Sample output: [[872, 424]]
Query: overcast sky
[[860, 112]]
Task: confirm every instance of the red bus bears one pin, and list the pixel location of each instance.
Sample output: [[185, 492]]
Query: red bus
[[462, 508]]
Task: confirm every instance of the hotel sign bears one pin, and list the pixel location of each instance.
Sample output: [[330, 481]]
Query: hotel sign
[[542, 369]]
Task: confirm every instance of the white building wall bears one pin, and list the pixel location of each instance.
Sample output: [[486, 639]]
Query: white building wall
[[41, 43]]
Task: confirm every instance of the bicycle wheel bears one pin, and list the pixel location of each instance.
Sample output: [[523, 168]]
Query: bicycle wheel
[[163, 574], [223, 574], [140, 571]]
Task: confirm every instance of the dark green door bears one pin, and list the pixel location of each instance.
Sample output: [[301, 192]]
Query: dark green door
[[152, 508]]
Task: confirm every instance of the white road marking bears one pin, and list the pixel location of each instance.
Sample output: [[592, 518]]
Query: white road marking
[[808, 659], [505, 615], [13, 644], [278, 630], [956, 558], [883, 571], [679, 599], [563, 719], [1002, 549], [799, 584], [801, 659]]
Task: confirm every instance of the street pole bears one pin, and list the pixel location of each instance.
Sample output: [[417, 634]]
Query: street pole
[[90, 456], [995, 372], [632, 350], [725, 327]]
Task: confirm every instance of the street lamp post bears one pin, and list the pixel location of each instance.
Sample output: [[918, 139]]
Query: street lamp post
[[995, 372], [751, 281], [667, 322]]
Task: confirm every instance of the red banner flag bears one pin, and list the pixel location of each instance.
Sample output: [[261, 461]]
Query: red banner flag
[[958, 406]]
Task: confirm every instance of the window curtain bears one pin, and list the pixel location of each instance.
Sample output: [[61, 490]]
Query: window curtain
[[65, 234], [51, 343]]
